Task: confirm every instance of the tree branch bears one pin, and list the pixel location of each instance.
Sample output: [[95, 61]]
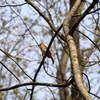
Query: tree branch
[[73, 50]]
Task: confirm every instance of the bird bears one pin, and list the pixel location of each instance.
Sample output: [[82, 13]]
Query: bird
[[43, 49]]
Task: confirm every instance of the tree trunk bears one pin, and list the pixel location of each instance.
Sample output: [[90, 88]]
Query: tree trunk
[[74, 93]]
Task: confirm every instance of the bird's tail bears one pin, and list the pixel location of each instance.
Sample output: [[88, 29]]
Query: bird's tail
[[52, 60]]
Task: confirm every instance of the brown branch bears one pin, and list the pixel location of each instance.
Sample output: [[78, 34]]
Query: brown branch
[[73, 50], [33, 83], [76, 69], [83, 15]]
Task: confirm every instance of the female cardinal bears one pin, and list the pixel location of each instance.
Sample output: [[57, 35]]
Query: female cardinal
[[43, 49]]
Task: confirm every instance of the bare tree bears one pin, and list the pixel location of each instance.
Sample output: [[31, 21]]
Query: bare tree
[[49, 48]]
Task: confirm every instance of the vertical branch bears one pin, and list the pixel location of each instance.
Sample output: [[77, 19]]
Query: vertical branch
[[73, 51], [76, 69]]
